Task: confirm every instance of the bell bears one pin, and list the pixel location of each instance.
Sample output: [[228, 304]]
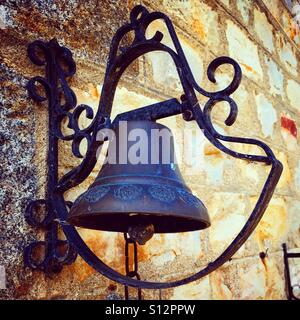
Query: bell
[[142, 187]]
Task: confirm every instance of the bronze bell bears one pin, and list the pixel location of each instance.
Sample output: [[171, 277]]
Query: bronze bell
[[127, 194]]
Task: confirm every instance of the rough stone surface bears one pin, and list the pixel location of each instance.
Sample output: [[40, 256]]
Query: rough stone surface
[[244, 9], [275, 78], [263, 29], [266, 115], [293, 93], [18, 178], [262, 37], [244, 51], [196, 291], [289, 132], [272, 229], [288, 58]]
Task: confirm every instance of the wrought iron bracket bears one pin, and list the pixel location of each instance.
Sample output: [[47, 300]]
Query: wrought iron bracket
[[51, 254], [59, 66], [288, 285]]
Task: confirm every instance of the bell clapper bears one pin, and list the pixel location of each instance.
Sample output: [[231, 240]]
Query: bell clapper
[[141, 233]]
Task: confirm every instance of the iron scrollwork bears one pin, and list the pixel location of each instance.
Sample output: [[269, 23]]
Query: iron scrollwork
[[120, 57]]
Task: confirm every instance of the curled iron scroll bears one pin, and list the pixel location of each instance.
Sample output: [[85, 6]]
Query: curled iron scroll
[[59, 67]]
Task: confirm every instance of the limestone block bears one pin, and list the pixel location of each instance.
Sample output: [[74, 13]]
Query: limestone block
[[244, 7], [286, 176], [288, 58], [275, 77], [293, 93], [241, 175], [223, 231], [297, 177], [224, 281], [224, 171], [251, 176], [126, 100], [226, 2], [263, 29], [227, 213], [162, 249], [260, 278], [289, 24], [162, 259], [275, 279], [246, 121], [162, 68], [266, 114], [108, 246], [272, 228], [293, 222], [289, 132], [210, 164], [199, 290], [220, 290], [275, 8], [69, 284], [252, 278], [214, 169], [244, 51]]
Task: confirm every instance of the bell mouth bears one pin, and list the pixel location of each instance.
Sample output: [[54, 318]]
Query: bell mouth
[[121, 222], [116, 207]]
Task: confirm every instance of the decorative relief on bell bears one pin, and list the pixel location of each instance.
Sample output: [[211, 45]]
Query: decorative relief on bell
[[189, 198], [162, 193], [128, 192], [97, 193], [134, 192]]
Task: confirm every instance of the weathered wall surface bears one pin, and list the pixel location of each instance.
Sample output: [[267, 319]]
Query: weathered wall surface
[[262, 38]]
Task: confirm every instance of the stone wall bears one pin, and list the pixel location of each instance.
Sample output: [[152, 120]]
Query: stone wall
[[264, 40]]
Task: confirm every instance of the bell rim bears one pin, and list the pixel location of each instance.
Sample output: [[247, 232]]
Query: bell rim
[[193, 223]]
